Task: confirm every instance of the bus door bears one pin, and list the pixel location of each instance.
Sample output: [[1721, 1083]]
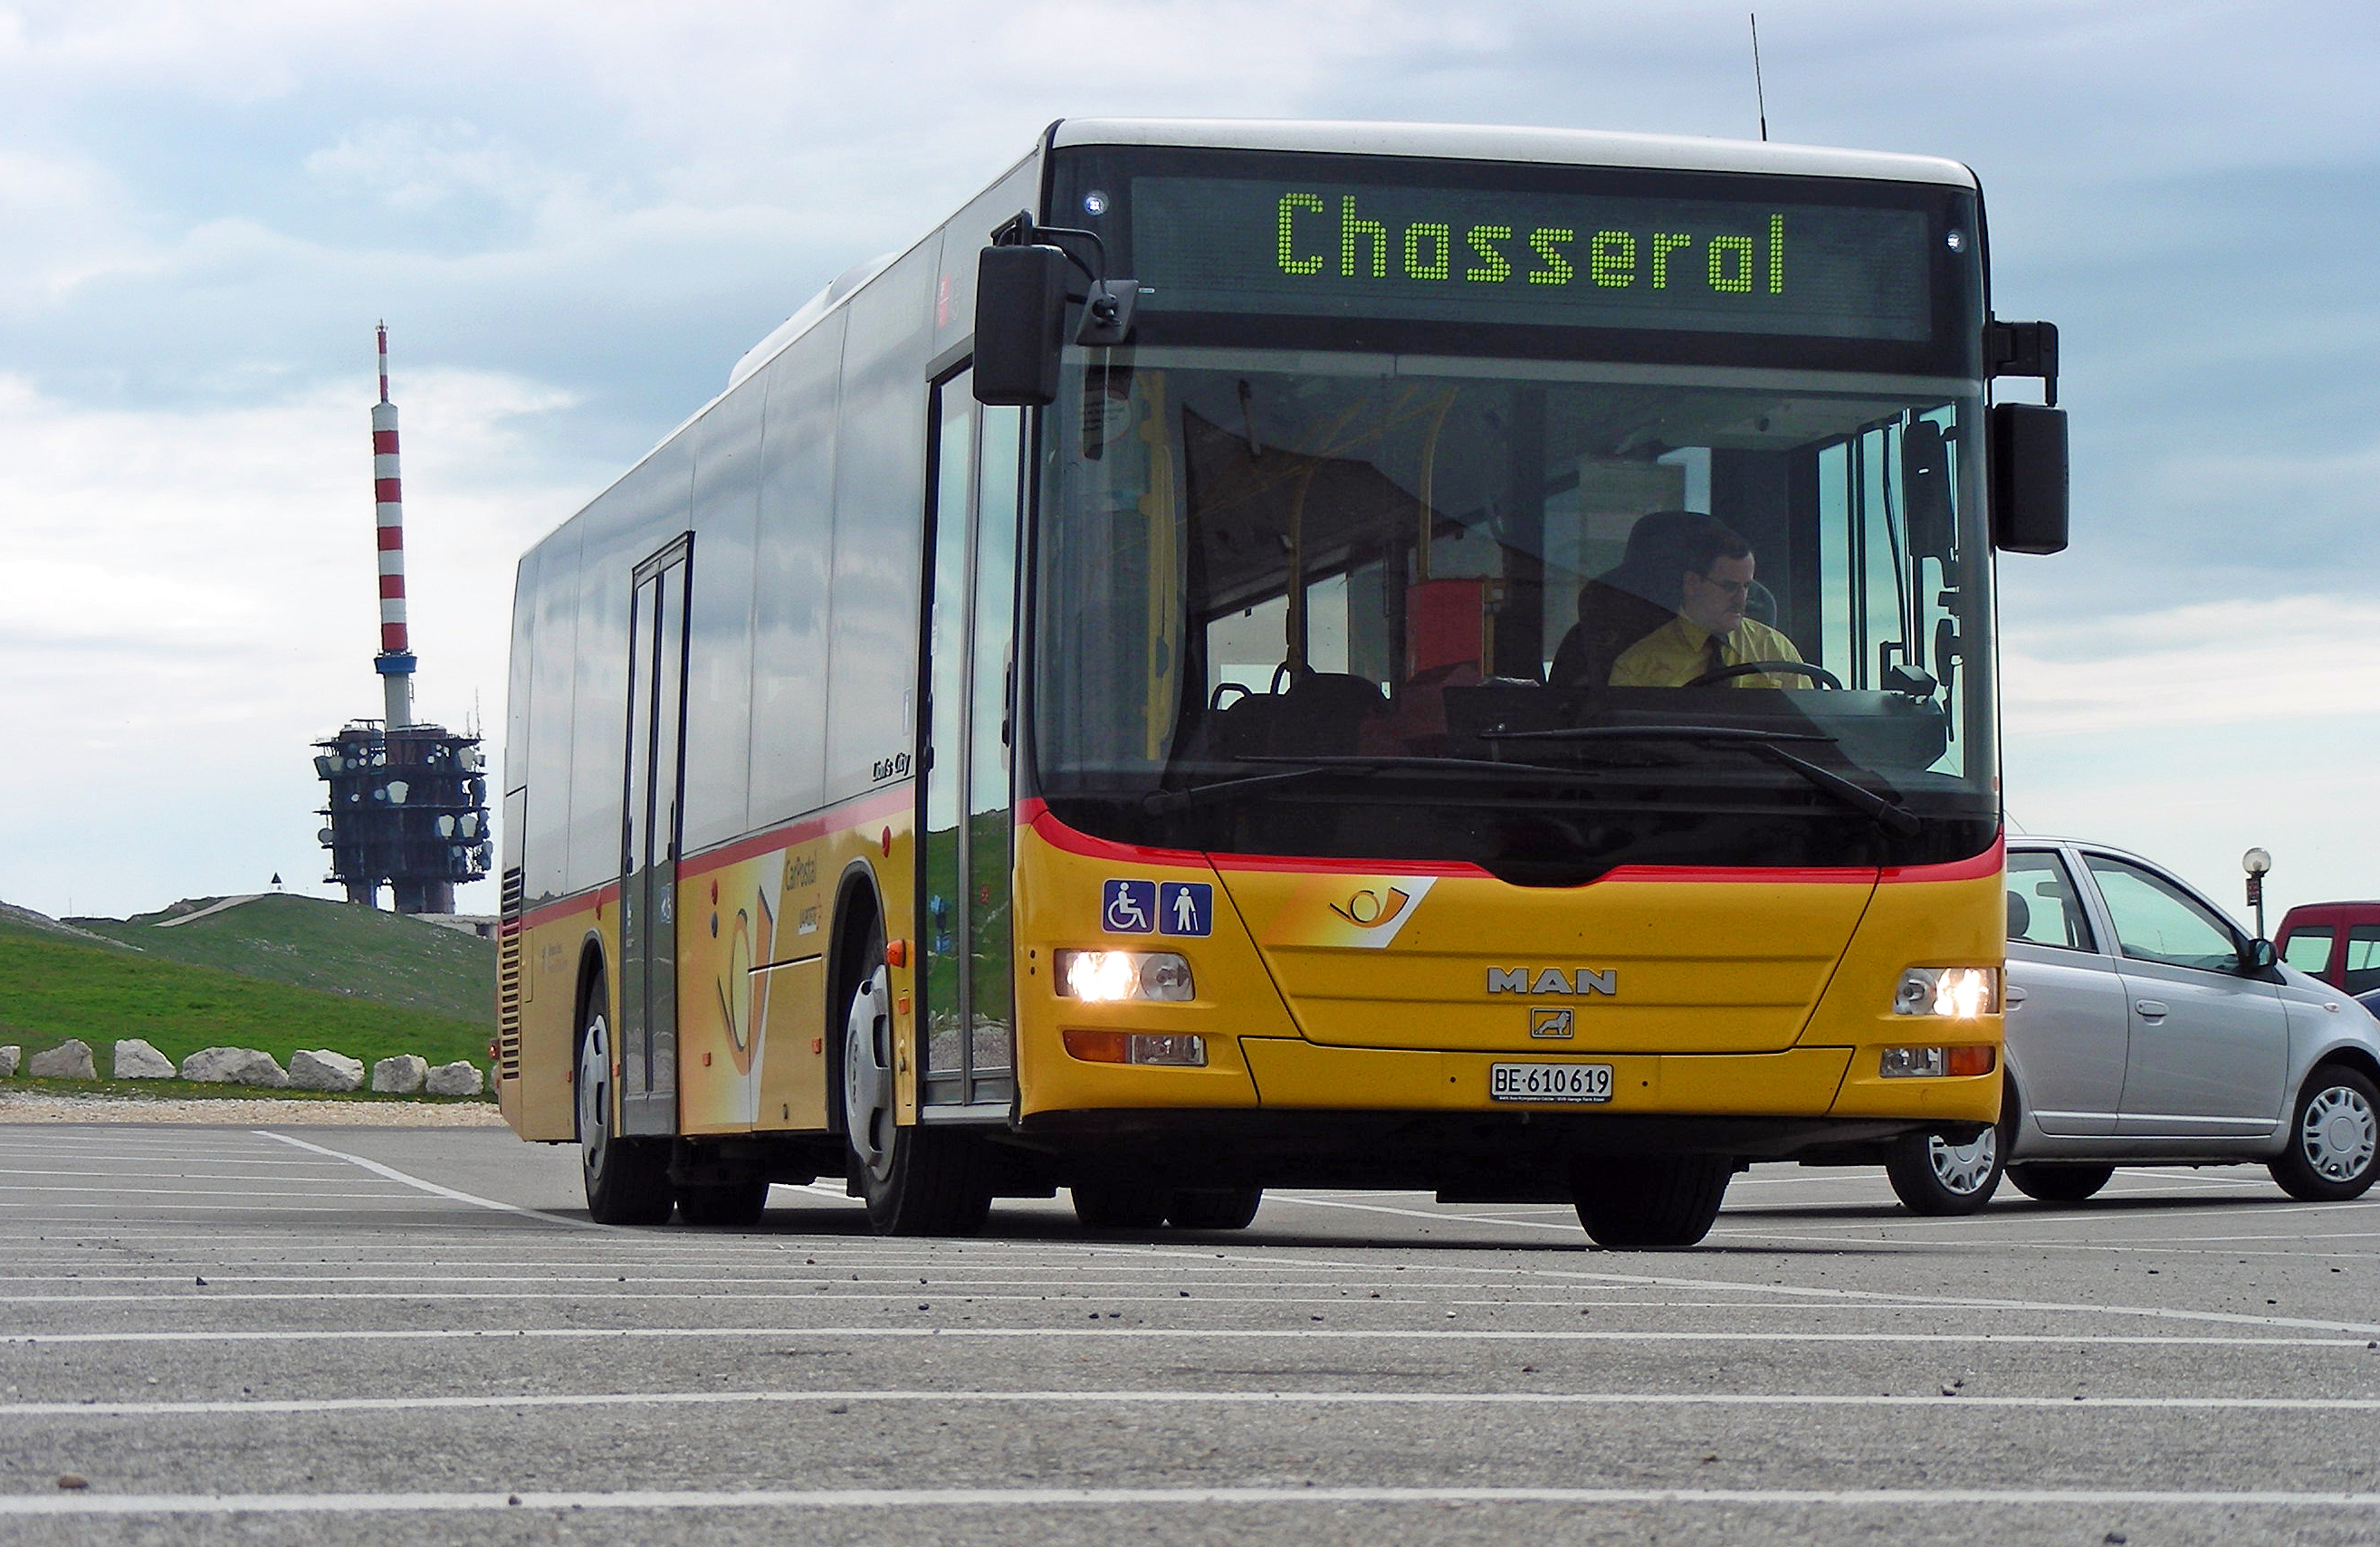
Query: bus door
[[964, 732], [647, 1019]]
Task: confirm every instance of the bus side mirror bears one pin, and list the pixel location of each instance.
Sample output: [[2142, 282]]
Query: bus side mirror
[[2028, 462], [1020, 306]]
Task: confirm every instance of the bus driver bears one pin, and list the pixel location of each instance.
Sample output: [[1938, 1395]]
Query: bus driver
[[1710, 630]]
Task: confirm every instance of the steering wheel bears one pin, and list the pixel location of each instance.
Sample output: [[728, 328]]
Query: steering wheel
[[1817, 674]]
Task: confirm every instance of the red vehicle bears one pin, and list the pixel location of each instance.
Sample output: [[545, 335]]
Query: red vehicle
[[2337, 942]]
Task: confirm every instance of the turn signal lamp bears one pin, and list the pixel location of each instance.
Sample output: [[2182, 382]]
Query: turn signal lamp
[[1136, 1047], [1937, 1063], [1107, 976]]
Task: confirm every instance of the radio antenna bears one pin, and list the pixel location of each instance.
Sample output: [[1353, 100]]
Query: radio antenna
[[1759, 93]]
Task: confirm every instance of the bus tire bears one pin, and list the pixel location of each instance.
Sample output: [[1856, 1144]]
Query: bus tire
[[627, 1179], [2334, 1138], [918, 1181], [1217, 1208], [1119, 1205], [1932, 1175], [1651, 1202], [729, 1205], [2058, 1184]]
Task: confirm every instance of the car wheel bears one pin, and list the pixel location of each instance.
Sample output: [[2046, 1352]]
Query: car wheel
[[1119, 1205], [1931, 1175], [2333, 1137], [1650, 1203], [1222, 1208], [627, 1179], [917, 1180], [2059, 1184]]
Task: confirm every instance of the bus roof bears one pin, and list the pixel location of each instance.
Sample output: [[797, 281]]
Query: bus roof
[[1480, 142]]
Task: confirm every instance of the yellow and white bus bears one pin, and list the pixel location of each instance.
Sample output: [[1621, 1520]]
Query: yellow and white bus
[[1269, 655]]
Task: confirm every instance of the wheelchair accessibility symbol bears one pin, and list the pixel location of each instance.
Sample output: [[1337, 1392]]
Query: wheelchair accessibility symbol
[[1131, 908]]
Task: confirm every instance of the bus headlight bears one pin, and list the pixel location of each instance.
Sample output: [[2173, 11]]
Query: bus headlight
[[1952, 993], [1106, 976]]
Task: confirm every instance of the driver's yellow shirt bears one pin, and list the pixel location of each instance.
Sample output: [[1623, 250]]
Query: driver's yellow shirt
[[1680, 651]]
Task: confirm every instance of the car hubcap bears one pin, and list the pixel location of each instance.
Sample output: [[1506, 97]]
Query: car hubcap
[[866, 1077], [2339, 1133], [1963, 1168]]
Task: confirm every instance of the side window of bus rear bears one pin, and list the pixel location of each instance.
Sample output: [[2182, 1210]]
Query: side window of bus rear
[[2042, 906], [2308, 948], [2362, 958]]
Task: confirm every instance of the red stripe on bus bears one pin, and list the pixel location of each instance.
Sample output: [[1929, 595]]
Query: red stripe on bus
[[585, 902], [871, 808]]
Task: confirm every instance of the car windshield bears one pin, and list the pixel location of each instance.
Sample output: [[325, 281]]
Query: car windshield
[[1679, 596]]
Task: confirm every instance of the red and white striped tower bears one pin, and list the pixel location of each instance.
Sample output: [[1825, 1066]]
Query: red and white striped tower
[[395, 663]]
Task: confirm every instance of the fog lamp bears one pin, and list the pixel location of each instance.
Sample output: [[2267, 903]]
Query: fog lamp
[[1136, 1047]]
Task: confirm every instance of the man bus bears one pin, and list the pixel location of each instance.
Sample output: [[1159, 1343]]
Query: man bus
[[1075, 712]]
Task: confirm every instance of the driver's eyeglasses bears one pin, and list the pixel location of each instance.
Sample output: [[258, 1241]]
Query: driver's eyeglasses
[[1733, 587]]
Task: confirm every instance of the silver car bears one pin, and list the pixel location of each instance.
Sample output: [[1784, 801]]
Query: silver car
[[2145, 1029]]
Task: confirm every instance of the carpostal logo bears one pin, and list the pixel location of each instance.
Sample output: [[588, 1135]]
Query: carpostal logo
[[1575, 982]]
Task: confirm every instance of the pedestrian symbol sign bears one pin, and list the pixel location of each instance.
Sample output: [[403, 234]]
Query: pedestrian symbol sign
[[1186, 908], [1130, 906]]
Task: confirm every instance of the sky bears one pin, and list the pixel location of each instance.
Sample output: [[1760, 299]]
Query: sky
[[574, 218]]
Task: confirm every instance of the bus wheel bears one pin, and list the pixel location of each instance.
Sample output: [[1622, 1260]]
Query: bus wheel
[[2059, 1184], [1119, 1205], [627, 1179], [1931, 1175], [1650, 1203], [1222, 1208], [915, 1182], [2334, 1141]]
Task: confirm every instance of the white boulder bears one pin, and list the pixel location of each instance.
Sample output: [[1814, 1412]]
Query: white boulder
[[321, 1069], [459, 1078], [10, 1057], [403, 1075], [136, 1059], [69, 1060], [235, 1066]]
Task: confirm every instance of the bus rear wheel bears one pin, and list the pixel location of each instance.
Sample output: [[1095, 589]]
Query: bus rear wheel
[[1653, 1203], [627, 1179], [918, 1180]]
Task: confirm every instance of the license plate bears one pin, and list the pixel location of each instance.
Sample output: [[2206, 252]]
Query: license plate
[[1549, 1082]]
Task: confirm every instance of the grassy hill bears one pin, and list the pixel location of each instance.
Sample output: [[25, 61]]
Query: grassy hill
[[58, 982], [314, 943]]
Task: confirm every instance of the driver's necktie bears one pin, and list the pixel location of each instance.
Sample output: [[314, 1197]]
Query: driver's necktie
[[1716, 652]]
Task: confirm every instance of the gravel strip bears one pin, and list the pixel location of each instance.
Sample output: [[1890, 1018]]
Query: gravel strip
[[26, 1107]]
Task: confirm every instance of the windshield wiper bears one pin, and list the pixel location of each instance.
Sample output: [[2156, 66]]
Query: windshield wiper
[[1158, 801], [1771, 745]]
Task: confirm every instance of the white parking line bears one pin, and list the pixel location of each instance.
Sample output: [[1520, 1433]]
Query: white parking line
[[1194, 1335], [951, 1400], [1141, 1498], [392, 1174]]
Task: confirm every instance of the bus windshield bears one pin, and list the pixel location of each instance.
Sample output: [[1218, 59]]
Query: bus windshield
[[1546, 617]]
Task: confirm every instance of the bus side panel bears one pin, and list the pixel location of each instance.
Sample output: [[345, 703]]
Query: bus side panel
[[1915, 923], [539, 1103], [879, 500], [755, 1034], [791, 564], [726, 499]]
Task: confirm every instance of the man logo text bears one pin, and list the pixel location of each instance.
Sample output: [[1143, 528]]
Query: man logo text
[[1553, 980]]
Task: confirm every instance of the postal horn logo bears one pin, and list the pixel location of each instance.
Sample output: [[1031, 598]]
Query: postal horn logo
[[1369, 909]]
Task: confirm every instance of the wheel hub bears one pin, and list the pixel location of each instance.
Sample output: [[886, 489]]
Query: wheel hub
[[868, 1075], [2339, 1133], [1963, 1168]]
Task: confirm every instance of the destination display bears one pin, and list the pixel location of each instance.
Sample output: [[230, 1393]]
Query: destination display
[[1499, 257]]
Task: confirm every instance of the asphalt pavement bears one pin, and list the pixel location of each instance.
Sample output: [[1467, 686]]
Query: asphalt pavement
[[401, 1335]]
